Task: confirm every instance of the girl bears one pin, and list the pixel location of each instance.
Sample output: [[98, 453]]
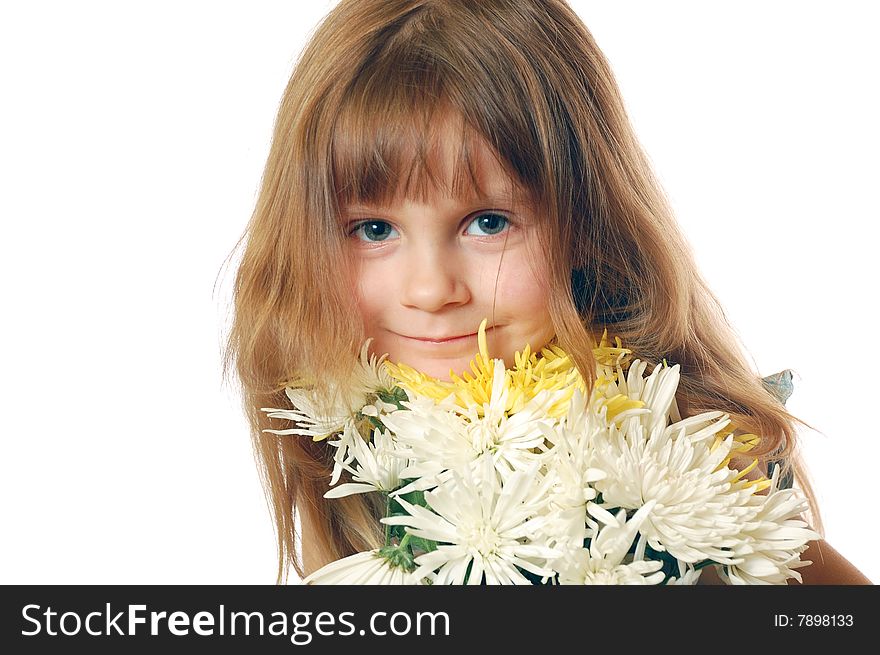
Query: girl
[[438, 161]]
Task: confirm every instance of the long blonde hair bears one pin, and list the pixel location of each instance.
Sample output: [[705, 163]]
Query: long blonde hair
[[355, 123]]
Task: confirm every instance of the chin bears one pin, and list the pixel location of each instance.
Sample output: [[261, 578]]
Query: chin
[[440, 371]]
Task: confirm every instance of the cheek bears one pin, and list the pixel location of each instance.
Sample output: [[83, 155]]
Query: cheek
[[364, 281], [523, 286]]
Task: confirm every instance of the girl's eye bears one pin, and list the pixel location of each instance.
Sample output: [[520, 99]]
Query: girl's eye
[[490, 222], [373, 230]]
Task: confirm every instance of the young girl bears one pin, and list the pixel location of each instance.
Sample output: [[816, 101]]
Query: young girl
[[435, 162]]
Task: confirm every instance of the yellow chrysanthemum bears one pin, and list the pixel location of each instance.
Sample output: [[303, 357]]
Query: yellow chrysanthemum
[[532, 373]]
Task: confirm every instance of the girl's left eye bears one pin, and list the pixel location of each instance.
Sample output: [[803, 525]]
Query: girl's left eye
[[491, 222]]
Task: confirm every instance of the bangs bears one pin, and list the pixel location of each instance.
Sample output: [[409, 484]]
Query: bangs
[[386, 147]]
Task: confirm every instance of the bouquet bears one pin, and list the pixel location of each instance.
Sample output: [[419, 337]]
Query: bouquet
[[518, 476]]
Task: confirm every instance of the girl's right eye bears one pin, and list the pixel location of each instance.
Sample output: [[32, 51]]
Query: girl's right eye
[[374, 231]]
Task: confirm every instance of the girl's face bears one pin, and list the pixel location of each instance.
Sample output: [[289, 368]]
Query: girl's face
[[427, 274]]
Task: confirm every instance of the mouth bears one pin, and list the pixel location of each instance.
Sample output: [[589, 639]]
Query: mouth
[[445, 340]]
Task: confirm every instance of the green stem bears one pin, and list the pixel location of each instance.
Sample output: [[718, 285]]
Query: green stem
[[405, 540]]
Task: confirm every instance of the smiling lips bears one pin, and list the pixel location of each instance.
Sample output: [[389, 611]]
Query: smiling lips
[[449, 340], [443, 340]]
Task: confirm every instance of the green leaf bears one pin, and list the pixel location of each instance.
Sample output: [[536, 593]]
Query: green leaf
[[422, 544], [413, 498], [416, 498], [400, 557], [396, 396], [394, 508]]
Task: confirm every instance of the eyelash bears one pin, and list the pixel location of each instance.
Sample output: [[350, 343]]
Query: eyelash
[[508, 224]]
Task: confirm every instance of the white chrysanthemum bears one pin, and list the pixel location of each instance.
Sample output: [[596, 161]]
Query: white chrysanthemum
[[377, 465], [432, 437], [774, 540], [371, 375], [603, 562], [569, 464], [307, 414], [358, 397], [657, 391], [439, 436], [700, 507], [482, 524], [687, 575], [361, 569]]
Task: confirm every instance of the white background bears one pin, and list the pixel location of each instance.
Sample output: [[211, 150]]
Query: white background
[[132, 140]]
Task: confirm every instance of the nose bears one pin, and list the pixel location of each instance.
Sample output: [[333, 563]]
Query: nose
[[433, 279]]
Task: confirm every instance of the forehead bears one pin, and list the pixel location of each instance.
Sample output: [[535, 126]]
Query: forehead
[[441, 157]]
